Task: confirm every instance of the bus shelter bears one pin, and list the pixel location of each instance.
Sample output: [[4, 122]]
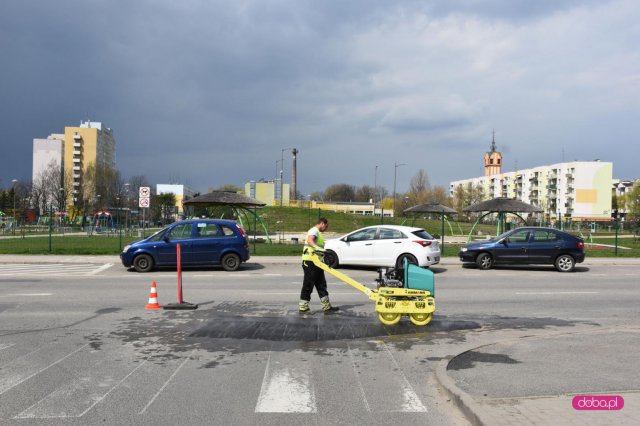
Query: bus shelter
[[241, 206], [501, 206], [434, 208]]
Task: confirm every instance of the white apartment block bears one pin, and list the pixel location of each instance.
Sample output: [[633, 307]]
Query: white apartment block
[[580, 190], [47, 152]]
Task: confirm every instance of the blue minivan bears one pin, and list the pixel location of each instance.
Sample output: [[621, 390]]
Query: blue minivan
[[202, 242]]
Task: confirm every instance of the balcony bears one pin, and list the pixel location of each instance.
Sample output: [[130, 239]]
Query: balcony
[[76, 168], [77, 137], [77, 160], [77, 176], [76, 183], [77, 145], [77, 152]]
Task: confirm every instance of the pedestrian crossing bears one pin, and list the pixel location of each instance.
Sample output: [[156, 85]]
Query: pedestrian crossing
[[77, 380], [52, 269]]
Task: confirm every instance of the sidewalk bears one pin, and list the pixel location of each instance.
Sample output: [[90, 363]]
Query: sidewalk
[[531, 380], [266, 260]]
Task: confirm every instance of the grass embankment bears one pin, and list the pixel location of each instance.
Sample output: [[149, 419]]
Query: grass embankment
[[279, 220], [289, 219]]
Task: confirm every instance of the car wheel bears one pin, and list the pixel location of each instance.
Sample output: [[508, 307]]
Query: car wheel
[[331, 259], [565, 263], [410, 258], [143, 263], [231, 262], [484, 261]]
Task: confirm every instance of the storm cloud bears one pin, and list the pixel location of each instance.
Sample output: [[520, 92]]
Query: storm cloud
[[209, 92]]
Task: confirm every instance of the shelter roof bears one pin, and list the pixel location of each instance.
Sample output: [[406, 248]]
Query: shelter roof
[[430, 208], [503, 205]]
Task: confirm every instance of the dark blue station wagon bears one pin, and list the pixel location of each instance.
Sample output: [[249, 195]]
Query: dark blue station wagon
[[202, 242], [528, 245]]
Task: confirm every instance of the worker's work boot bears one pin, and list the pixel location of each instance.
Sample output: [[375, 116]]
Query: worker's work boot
[[326, 306], [303, 307]]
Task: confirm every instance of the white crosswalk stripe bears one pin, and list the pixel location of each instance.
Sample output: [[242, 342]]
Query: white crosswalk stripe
[[52, 269]]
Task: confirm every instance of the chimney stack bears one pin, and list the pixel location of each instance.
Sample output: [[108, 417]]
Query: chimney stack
[[293, 175]]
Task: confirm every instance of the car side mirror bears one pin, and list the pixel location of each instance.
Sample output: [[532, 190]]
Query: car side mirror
[[166, 238], [503, 242]]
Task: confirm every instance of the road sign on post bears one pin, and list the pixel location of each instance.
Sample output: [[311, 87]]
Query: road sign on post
[[144, 201]]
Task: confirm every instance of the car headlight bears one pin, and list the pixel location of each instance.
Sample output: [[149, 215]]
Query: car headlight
[[464, 249], [124, 250]]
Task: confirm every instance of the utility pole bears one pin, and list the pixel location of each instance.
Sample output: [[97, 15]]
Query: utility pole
[[375, 188], [395, 172], [13, 225]]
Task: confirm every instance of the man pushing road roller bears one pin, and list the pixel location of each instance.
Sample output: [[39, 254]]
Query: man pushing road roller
[[408, 291], [314, 276]]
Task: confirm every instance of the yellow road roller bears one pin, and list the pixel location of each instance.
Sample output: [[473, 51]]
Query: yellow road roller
[[407, 291]]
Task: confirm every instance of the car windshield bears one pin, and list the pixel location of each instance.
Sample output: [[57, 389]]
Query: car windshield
[[423, 234], [501, 236], [157, 236]]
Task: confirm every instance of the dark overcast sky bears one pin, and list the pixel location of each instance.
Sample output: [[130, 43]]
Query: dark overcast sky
[[209, 92]]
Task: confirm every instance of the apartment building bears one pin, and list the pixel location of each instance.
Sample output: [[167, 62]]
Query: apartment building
[[580, 190], [90, 144], [47, 152], [268, 192]]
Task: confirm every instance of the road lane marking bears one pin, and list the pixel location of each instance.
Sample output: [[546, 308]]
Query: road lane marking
[[558, 292], [355, 370], [285, 390], [74, 399], [115, 386], [100, 269], [27, 294], [166, 383], [411, 402], [16, 380], [272, 275]]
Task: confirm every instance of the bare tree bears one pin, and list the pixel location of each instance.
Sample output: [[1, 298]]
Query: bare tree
[[340, 192]]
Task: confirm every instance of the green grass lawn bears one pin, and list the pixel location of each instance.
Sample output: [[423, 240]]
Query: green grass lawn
[[286, 219], [101, 244], [290, 219]]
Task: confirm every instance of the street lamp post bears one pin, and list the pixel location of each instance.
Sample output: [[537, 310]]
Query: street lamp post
[[60, 207], [118, 221], [375, 188], [13, 225], [615, 224], [126, 217], [395, 172]]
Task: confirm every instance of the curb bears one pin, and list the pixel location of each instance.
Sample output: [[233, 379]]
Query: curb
[[462, 400], [472, 410]]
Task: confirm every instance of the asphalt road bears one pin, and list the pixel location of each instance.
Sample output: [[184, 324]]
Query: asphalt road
[[78, 347]]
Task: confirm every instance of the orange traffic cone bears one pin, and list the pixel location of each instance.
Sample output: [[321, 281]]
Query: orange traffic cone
[[153, 298]]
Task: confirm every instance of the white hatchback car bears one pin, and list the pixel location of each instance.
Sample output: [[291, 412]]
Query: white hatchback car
[[384, 245]]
